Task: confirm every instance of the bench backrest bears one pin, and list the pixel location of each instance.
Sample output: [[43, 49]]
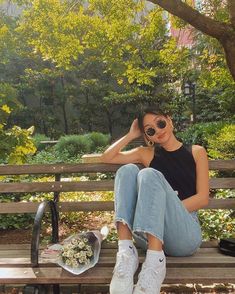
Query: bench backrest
[[57, 186]]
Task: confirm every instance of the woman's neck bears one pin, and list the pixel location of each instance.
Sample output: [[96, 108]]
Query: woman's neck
[[172, 144]]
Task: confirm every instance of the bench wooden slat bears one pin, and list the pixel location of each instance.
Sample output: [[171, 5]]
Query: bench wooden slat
[[214, 260], [87, 168], [89, 186], [56, 186], [57, 168], [105, 245], [222, 183], [31, 207], [45, 275], [111, 252]]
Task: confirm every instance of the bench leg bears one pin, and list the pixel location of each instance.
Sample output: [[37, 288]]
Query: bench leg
[[56, 289]]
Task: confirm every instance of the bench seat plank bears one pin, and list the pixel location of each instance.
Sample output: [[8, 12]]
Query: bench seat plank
[[105, 244], [45, 275], [204, 257]]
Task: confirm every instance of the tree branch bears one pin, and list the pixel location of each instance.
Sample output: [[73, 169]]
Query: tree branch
[[231, 9], [201, 22]]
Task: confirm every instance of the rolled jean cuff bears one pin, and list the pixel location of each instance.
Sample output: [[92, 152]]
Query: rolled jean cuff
[[123, 221], [146, 231]]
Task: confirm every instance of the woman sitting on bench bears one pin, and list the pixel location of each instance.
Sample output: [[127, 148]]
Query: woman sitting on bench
[[156, 205]]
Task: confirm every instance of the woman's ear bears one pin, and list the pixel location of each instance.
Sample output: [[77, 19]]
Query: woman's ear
[[170, 122]]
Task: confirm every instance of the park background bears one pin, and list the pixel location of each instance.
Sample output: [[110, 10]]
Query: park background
[[75, 74]]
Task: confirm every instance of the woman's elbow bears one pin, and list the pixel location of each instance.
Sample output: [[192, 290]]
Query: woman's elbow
[[205, 200], [105, 158]]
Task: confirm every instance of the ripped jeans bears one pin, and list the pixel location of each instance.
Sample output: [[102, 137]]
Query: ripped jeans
[[146, 203]]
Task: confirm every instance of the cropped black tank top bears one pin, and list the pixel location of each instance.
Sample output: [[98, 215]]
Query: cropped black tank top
[[178, 167]]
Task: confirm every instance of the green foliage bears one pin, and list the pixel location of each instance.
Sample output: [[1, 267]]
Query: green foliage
[[16, 145], [8, 96], [37, 138], [201, 133], [222, 144], [215, 84], [14, 221], [98, 141], [50, 155], [216, 224], [74, 145], [19, 221]]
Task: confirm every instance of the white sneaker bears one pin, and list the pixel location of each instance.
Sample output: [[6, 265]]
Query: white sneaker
[[123, 273], [150, 279]]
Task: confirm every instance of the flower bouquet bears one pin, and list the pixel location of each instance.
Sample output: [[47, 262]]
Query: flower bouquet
[[78, 252]]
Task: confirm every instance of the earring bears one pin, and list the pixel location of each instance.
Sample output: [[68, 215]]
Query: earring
[[150, 143]]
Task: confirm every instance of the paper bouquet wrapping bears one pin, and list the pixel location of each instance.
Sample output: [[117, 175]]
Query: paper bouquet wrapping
[[78, 252]]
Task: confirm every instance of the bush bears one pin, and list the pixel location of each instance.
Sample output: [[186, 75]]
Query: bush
[[19, 221], [50, 155], [200, 133], [98, 141], [37, 138], [74, 145], [222, 144], [216, 224]]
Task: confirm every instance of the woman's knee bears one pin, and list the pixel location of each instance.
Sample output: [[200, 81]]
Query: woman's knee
[[127, 170], [148, 174]]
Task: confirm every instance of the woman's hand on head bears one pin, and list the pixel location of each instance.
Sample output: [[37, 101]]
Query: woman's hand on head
[[135, 131]]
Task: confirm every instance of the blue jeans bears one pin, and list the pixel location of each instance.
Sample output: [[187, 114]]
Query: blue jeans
[[146, 203]]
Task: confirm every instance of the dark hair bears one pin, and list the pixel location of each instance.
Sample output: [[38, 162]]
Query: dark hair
[[149, 110]]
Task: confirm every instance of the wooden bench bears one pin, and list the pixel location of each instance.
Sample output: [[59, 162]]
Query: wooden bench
[[19, 264]]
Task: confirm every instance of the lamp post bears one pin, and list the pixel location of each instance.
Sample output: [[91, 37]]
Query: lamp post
[[189, 90]]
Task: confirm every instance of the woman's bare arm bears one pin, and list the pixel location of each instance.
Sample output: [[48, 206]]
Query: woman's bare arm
[[114, 153], [201, 198]]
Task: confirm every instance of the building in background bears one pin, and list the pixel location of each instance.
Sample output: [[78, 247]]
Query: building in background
[[184, 36]]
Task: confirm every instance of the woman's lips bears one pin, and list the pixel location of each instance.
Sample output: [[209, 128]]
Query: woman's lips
[[161, 136]]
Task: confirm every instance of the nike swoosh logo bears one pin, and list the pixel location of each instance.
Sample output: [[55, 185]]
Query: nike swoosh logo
[[161, 260]]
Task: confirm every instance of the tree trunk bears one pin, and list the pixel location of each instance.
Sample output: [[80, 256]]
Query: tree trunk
[[63, 105], [229, 49], [110, 125], [223, 32]]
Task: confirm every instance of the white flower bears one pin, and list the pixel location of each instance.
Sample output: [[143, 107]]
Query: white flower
[[81, 244], [77, 252]]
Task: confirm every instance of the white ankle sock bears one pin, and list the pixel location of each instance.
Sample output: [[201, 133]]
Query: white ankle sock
[[155, 258], [126, 245]]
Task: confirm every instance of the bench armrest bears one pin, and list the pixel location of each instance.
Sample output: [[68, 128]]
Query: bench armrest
[[37, 229]]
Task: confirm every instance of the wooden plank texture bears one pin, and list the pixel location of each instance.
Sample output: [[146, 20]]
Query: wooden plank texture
[[57, 168], [31, 207], [105, 245], [105, 185], [202, 260], [88, 168], [46, 275], [56, 186]]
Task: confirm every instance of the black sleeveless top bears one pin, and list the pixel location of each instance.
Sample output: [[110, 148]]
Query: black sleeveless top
[[178, 167]]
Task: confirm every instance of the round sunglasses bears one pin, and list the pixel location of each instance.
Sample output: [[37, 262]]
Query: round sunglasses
[[160, 124]]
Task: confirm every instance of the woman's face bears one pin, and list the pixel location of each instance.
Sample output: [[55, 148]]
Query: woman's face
[[157, 128]]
